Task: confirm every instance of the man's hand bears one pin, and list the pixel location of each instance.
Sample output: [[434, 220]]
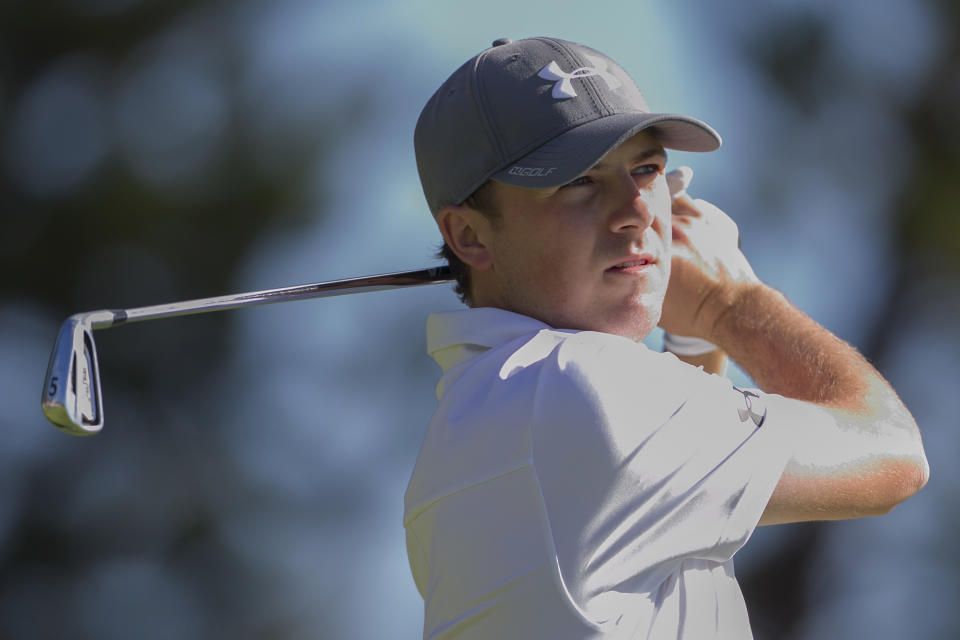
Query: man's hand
[[707, 264]]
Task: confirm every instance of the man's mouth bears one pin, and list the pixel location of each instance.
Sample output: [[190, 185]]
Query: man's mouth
[[633, 265]]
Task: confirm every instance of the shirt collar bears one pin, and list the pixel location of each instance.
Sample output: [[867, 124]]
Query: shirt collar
[[456, 336]]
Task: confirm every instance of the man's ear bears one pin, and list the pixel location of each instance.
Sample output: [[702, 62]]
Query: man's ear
[[468, 233]]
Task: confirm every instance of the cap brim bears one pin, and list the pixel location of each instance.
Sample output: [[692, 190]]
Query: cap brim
[[565, 157]]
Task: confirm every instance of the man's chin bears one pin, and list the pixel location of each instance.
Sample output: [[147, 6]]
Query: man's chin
[[635, 322], [634, 317], [637, 333]]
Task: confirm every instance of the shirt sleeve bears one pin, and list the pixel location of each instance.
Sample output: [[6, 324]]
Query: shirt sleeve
[[645, 462]]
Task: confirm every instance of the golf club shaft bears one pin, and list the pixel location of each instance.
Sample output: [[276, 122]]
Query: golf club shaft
[[112, 318]]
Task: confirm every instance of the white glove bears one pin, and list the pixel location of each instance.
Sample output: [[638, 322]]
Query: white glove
[[677, 181]]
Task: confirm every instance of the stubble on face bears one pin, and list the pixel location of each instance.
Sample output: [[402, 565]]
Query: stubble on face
[[554, 249]]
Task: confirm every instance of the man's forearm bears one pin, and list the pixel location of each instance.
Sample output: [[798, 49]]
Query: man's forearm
[[789, 354], [864, 460]]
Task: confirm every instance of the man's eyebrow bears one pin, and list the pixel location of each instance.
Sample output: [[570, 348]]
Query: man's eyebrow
[[640, 157]]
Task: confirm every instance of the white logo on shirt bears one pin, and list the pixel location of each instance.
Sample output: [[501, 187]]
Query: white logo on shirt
[[758, 415], [563, 89]]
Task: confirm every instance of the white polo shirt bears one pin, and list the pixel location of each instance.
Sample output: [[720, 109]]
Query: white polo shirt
[[579, 485]]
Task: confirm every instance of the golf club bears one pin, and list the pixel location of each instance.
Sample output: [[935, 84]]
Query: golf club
[[72, 398]]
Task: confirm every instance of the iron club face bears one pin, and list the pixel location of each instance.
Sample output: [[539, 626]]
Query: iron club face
[[71, 390]]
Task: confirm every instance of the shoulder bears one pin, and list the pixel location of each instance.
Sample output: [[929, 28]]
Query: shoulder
[[599, 360], [598, 380]]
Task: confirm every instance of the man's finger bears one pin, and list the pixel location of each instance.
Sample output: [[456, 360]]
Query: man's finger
[[683, 207], [678, 180]]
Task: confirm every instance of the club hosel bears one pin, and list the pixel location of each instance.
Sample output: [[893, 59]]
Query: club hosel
[[105, 318]]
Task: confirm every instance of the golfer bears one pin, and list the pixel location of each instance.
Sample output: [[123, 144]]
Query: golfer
[[574, 483]]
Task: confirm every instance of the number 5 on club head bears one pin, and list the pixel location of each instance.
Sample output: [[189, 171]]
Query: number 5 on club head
[[71, 391]]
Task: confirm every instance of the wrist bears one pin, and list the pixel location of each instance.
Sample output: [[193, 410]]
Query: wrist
[[687, 345], [713, 362]]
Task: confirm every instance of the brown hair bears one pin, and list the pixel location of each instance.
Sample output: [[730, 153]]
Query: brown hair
[[482, 200]]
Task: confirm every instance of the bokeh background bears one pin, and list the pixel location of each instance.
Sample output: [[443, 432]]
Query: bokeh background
[[249, 480]]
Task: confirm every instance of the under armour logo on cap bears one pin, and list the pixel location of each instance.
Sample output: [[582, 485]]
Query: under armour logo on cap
[[563, 89]]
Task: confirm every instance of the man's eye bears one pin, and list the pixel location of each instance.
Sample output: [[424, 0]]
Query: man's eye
[[646, 169], [577, 182]]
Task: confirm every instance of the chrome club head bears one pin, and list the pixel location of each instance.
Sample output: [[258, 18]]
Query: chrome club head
[[71, 391]]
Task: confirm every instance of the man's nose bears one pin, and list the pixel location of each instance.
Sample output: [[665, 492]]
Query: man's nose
[[630, 209]]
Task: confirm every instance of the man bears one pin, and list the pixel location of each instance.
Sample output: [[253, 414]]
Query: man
[[573, 483]]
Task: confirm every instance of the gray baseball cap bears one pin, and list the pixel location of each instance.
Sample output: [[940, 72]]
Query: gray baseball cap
[[535, 113]]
